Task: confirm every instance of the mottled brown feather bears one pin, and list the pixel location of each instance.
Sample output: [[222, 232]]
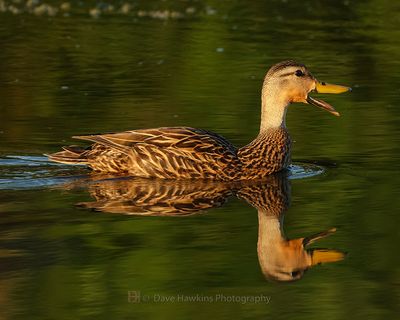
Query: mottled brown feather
[[189, 153], [155, 197], [138, 196], [182, 153]]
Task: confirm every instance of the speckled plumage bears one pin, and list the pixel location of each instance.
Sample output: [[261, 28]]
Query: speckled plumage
[[156, 197], [280, 258], [161, 197], [188, 153], [182, 153], [268, 153]]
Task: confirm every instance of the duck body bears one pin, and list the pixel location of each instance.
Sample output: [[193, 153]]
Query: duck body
[[188, 153], [181, 153]]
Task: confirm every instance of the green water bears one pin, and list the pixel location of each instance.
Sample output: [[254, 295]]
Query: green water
[[200, 64]]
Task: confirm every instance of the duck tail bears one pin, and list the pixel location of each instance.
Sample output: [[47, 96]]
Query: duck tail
[[70, 155]]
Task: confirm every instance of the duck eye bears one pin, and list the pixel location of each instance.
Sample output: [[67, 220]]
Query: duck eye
[[299, 73], [295, 273]]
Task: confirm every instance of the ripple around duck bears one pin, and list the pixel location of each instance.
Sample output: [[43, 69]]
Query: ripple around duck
[[304, 170], [30, 172]]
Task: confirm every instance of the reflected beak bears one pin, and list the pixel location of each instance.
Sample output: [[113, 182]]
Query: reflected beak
[[320, 256], [323, 87], [315, 237]]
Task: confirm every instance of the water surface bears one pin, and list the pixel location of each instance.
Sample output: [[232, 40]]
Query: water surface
[[93, 69]]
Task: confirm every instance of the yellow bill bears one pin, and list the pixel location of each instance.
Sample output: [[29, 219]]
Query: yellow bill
[[323, 87], [320, 256]]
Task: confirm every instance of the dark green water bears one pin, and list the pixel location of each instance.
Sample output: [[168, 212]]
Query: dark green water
[[199, 64]]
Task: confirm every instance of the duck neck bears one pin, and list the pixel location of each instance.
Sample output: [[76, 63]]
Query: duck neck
[[271, 240], [273, 110], [270, 231]]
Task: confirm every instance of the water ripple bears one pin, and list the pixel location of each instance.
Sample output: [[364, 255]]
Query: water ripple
[[31, 172]]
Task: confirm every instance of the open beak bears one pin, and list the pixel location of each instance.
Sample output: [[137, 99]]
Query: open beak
[[323, 87], [320, 235], [319, 256]]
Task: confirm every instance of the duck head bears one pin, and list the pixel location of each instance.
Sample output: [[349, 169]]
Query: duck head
[[286, 260], [289, 82], [280, 258]]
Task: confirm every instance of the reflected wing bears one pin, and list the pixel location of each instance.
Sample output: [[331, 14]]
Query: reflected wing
[[154, 197]]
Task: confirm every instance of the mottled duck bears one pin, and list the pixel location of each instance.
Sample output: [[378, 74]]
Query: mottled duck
[[280, 258], [188, 153]]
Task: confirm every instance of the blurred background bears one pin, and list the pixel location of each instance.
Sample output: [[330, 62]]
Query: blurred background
[[78, 67]]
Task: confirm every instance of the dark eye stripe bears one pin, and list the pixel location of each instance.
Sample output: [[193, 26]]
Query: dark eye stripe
[[286, 74]]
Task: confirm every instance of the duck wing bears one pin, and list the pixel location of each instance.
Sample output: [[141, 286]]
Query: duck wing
[[156, 197], [169, 152]]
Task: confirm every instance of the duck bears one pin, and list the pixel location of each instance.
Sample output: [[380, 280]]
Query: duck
[[191, 153], [136, 196], [281, 259]]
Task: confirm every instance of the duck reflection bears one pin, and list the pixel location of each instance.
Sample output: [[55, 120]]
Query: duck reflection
[[152, 197], [280, 259]]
